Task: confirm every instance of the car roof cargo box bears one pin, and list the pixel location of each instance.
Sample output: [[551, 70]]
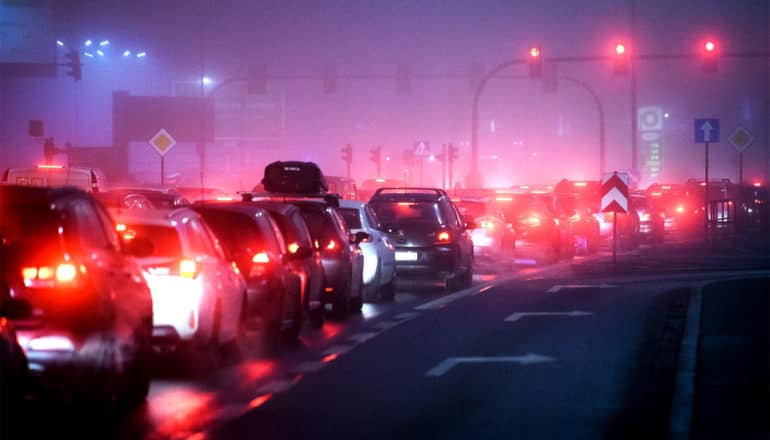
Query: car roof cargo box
[[294, 177]]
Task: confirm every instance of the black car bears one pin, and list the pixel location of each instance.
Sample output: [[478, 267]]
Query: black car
[[252, 240], [89, 325], [304, 258], [13, 363], [429, 235]]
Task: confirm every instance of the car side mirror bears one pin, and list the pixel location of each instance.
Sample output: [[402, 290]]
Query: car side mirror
[[138, 247], [359, 237], [12, 308]]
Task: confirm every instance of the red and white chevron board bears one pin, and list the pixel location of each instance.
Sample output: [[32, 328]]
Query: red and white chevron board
[[615, 192]]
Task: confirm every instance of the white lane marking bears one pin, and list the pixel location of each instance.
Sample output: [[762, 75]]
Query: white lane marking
[[384, 325], [680, 419], [559, 287], [484, 289], [276, 386], [338, 349], [362, 337], [407, 315], [444, 366], [518, 315], [309, 367], [444, 300]]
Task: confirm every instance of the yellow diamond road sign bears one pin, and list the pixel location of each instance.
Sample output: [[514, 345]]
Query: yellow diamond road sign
[[741, 139], [162, 142]]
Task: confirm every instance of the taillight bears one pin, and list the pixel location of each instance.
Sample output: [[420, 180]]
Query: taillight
[[486, 224], [575, 218], [331, 245], [188, 269], [645, 217], [680, 209], [260, 258], [443, 237], [45, 276], [533, 221], [293, 248]]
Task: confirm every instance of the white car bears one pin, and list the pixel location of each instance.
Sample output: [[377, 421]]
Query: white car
[[197, 295], [379, 253]]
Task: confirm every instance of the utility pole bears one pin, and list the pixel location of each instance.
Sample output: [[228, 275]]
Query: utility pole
[[632, 71]]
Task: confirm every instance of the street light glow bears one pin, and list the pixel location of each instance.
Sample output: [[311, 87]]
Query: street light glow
[[141, 54], [100, 52], [534, 52], [88, 43], [59, 43], [89, 54], [104, 43], [620, 49], [126, 53], [709, 46], [206, 80]]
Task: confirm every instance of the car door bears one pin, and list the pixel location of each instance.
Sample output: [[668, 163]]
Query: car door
[[385, 250], [354, 251], [464, 240]]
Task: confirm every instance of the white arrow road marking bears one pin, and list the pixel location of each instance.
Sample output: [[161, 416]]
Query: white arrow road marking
[[518, 315], [444, 366], [558, 287], [706, 127]]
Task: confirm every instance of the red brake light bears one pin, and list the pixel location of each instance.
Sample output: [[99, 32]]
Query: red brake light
[[443, 237], [50, 167], [66, 272], [43, 276], [260, 258], [486, 224], [680, 209], [534, 221], [580, 183], [293, 248], [331, 245], [188, 268]]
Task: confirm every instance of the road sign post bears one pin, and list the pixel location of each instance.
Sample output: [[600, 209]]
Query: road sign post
[[615, 200], [706, 132], [741, 139], [162, 142]]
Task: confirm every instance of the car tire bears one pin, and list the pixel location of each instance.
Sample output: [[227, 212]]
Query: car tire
[[316, 317], [292, 333], [388, 291], [136, 380], [343, 304], [272, 323], [467, 279]]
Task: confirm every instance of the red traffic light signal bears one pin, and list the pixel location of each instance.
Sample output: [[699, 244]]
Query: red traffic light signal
[[620, 59], [535, 62], [710, 56]]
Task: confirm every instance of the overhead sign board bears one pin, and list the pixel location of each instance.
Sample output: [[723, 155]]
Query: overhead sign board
[[706, 131], [741, 139], [162, 142], [614, 192]]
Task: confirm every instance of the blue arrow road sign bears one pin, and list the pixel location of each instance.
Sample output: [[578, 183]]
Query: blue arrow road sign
[[706, 131]]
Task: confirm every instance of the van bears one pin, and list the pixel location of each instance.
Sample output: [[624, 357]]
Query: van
[[88, 179]]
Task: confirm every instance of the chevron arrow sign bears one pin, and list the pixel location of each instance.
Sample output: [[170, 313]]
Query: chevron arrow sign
[[615, 192]]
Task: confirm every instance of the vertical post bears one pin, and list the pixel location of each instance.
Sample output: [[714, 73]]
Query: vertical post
[[162, 170], [444, 166], [379, 161], [422, 161], [450, 163], [348, 167], [614, 237], [707, 208], [740, 168], [632, 72]]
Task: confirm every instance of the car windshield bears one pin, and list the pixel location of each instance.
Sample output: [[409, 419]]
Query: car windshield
[[321, 226], [238, 234], [165, 239], [398, 213], [28, 225]]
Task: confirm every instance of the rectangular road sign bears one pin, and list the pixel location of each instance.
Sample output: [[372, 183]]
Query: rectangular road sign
[[706, 130], [614, 192]]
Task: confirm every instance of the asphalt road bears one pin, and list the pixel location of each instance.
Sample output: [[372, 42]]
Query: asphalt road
[[579, 349]]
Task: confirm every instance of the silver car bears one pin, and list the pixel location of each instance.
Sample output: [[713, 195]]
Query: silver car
[[379, 254]]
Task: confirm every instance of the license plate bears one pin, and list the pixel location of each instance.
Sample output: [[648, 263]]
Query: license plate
[[406, 256]]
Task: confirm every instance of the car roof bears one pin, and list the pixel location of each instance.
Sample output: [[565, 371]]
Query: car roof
[[357, 204], [158, 217], [248, 209], [34, 195]]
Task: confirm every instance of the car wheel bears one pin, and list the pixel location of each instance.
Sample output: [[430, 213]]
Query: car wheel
[[316, 317], [467, 278], [292, 333], [388, 291], [136, 382], [358, 302], [343, 304], [452, 283], [272, 323]]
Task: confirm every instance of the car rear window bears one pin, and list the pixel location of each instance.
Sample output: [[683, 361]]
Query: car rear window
[[237, 231], [23, 223], [352, 217], [165, 239], [320, 225], [393, 213]]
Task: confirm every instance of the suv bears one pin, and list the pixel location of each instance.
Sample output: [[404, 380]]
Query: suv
[[84, 312], [428, 232]]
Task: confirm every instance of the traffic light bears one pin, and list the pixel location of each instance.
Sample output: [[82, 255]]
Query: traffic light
[[404, 78], [375, 155], [535, 61], [453, 152], [710, 56], [330, 78], [347, 153], [620, 59], [73, 57], [257, 79]]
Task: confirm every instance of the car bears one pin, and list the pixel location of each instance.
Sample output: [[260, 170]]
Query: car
[[160, 198], [494, 239], [304, 258], [13, 363], [199, 296], [379, 254], [341, 256], [680, 209], [88, 329], [577, 216], [251, 238], [430, 237], [48, 175], [539, 237], [652, 220], [120, 201]]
